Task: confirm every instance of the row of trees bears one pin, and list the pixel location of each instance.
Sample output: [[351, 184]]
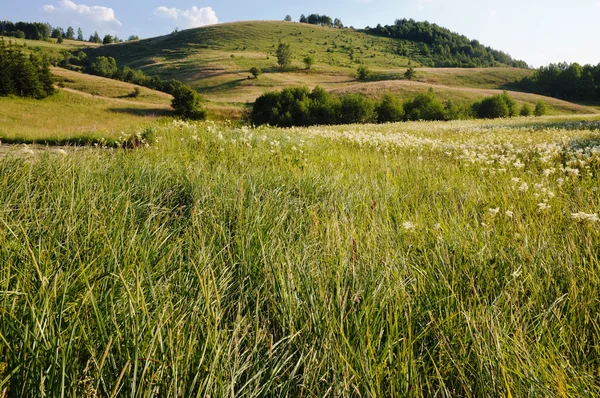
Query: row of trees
[[45, 31], [322, 20], [567, 81], [187, 102], [298, 106], [23, 75], [441, 47]]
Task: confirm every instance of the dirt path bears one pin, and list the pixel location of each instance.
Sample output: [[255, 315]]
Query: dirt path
[[117, 100]]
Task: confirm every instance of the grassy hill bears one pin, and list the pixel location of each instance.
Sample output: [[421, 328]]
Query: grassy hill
[[215, 60], [85, 108]]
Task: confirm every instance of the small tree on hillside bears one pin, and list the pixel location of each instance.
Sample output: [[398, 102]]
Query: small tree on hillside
[[284, 55], [256, 72], [410, 74], [108, 39], [288, 18], [70, 33], [188, 103], [303, 18], [309, 61], [79, 34], [363, 72]]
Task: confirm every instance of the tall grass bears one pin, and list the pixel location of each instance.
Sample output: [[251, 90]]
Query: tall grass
[[350, 261]]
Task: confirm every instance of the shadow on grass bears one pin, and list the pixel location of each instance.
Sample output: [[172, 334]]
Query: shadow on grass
[[156, 112], [82, 140]]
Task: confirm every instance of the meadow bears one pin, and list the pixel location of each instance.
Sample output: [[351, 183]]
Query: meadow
[[412, 259]]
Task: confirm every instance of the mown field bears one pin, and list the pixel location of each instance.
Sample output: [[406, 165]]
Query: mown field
[[414, 259]]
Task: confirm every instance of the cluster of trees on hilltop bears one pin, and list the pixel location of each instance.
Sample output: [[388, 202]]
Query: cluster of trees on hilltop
[[23, 75], [567, 81], [445, 48], [25, 30], [298, 106], [322, 20]]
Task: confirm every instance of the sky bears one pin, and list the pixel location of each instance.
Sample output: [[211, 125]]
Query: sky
[[537, 31]]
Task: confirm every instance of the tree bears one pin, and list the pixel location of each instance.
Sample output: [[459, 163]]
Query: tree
[[540, 109], [108, 39], [70, 33], [356, 108], [256, 72], [410, 74], [133, 38], [57, 32], [288, 18], [526, 110], [501, 105], [424, 106], [284, 55], [104, 66], [309, 61], [363, 72], [60, 40], [95, 38], [188, 103], [79, 34], [303, 19], [338, 23], [390, 109]]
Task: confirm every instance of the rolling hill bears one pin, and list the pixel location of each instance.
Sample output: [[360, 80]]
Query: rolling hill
[[215, 60]]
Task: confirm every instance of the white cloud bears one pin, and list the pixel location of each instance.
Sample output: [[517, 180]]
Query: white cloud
[[192, 18], [97, 15]]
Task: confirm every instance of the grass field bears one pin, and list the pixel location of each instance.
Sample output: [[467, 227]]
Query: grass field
[[415, 259], [73, 116]]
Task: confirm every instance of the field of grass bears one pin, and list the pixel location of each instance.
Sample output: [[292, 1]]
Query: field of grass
[[73, 116], [415, 259]]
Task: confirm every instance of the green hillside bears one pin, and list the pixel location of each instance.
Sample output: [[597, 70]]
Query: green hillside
[[215, 60]]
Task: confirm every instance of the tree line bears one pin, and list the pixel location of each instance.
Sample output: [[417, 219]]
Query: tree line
[[299, 106], [441, 47], [45, 31], [24, 75], [571, 82], [321, 20]]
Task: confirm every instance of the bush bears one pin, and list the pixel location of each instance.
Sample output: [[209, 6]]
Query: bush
[[104, 66], [410, 74], [390, 109], [309, 61], [188, 103], [135, 93], [363, 72], [540, 109], [457, 110], [497, 106], [526, 110], [424, 106], [324, 107], [356, 108], [256, 72]]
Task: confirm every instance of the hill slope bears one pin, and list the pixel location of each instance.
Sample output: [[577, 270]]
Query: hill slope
[[215, 60]]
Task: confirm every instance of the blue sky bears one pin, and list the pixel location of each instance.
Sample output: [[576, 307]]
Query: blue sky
[[537, 31]]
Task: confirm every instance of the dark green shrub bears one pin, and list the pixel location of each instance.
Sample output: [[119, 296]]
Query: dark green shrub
[[457, 110], [526, 110], [256, 72], [104, 66], [501, 105], [356, 108], [390, 109], [188, 103], [424, 106], [540, 109], [363, 72], [324, 107], [410, 74]]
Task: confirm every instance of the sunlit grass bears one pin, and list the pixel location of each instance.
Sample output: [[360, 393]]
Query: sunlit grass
[[394, 260]]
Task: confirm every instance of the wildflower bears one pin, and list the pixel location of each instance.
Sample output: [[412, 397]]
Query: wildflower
[[524, 187], [543, 206], [509, 214], [581, 216], [409, 226], [495, 211]]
